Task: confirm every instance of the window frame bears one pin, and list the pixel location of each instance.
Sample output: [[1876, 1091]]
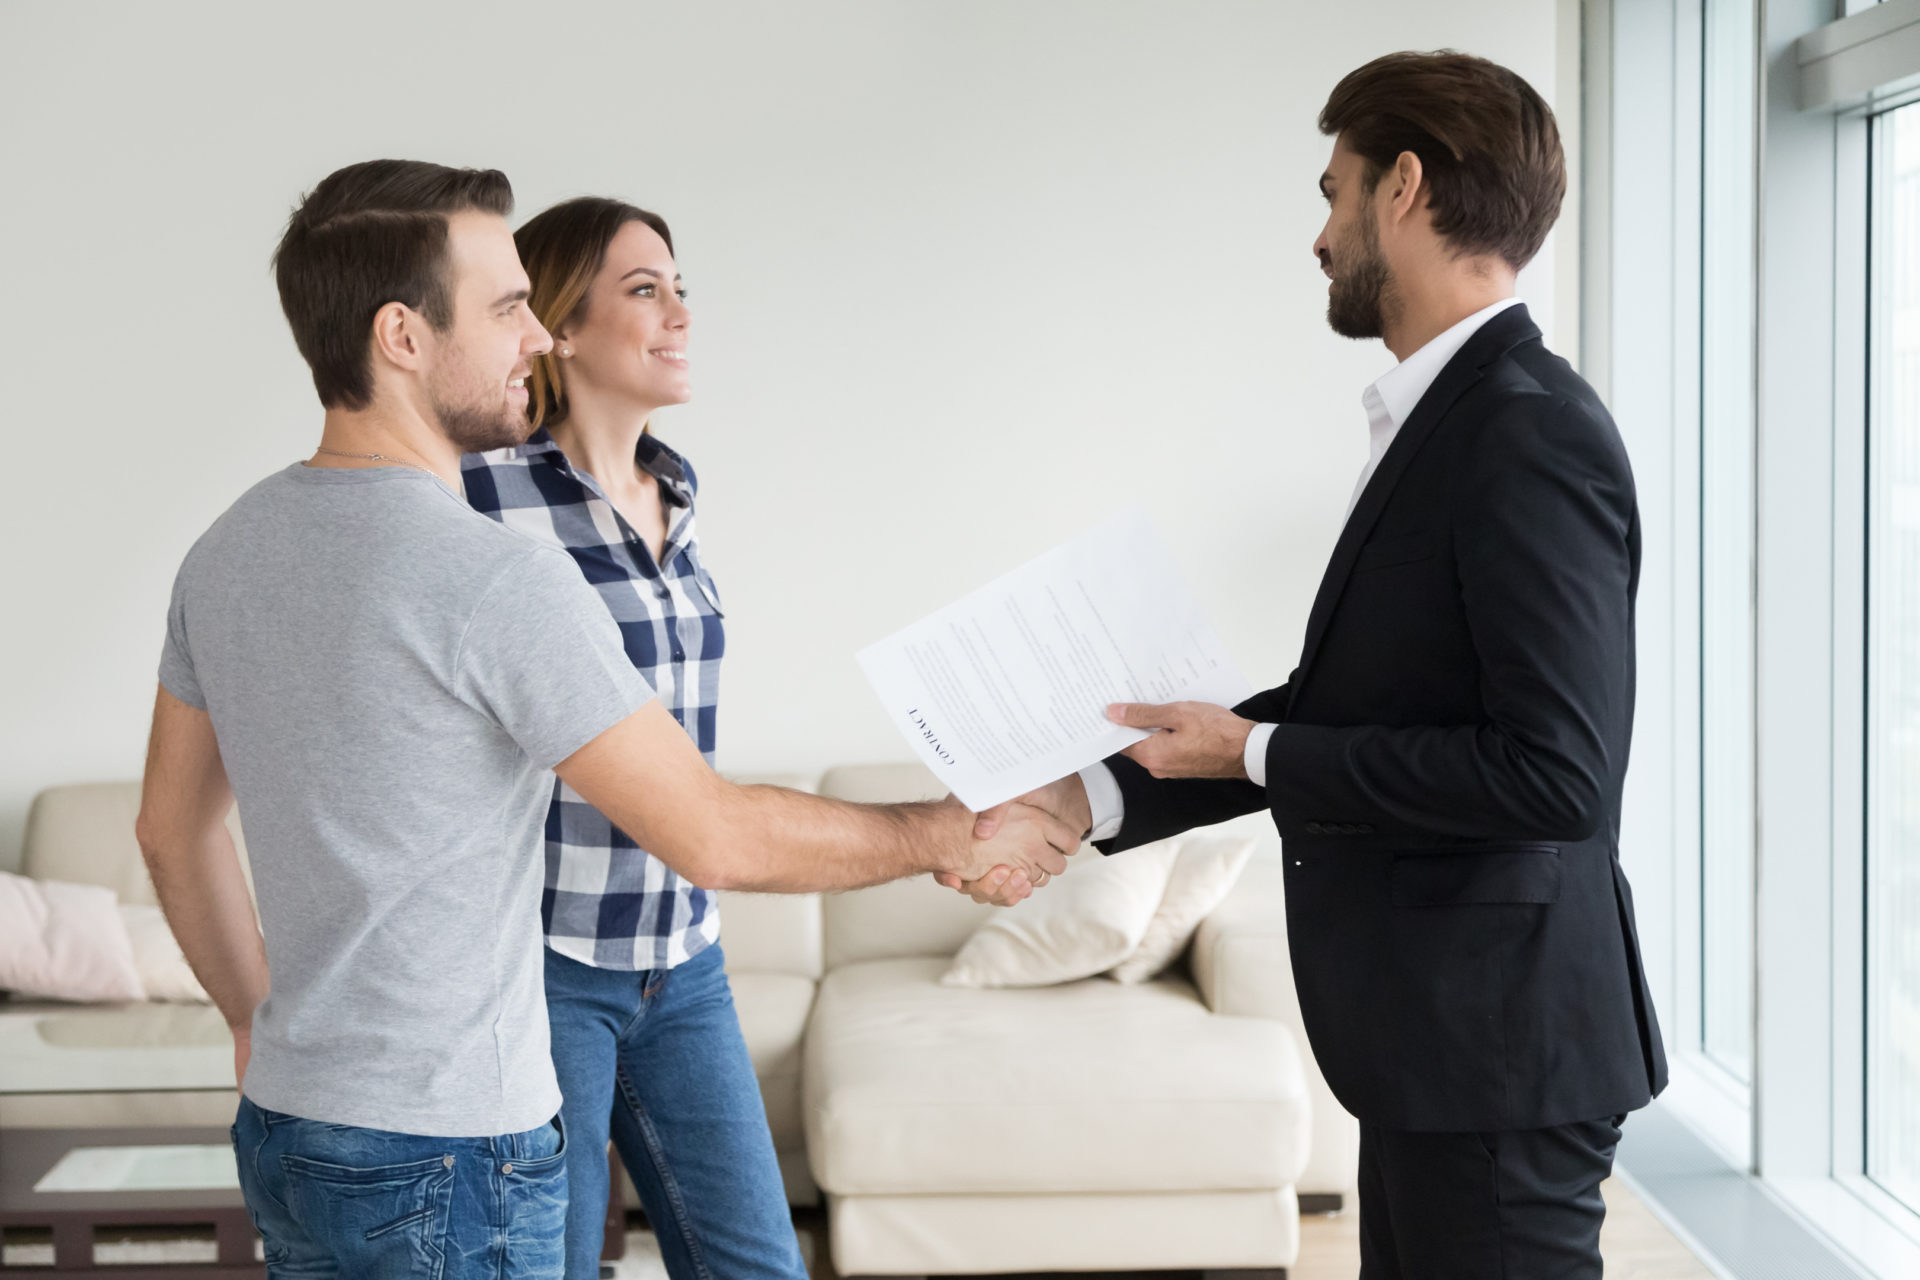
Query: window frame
[[1810, 490]]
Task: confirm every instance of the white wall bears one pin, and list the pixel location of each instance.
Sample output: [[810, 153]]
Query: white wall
[[966, 278]]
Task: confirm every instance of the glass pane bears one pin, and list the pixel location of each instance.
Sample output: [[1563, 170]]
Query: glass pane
[[1726, 536], [158, 1168], [1893, 663]]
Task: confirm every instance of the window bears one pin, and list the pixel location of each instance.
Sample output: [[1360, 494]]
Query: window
[[1727, 536], [1893, 661], [1763, 183]]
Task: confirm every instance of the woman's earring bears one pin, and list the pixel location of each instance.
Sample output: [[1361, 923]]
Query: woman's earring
[[566, 351]]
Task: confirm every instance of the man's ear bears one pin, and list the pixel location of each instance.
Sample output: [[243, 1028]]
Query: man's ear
[[1405, 190], [398, 331]]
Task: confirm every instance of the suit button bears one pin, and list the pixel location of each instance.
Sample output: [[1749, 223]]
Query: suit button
[[1315, 829]]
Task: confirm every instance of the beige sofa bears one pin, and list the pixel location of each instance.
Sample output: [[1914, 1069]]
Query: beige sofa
[[1083, 1127]]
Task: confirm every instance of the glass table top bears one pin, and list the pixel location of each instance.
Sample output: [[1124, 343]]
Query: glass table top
[[175, 1168]]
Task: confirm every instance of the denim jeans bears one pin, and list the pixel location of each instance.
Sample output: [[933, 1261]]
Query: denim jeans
[[366, 1204], [658, 1056]]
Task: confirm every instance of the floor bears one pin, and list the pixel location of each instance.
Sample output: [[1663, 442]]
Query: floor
[[1636, 1245]]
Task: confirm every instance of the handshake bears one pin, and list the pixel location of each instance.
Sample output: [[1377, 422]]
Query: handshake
[[1020, 845]]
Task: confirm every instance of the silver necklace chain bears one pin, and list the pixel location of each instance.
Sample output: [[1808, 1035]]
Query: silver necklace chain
[[378, 457]]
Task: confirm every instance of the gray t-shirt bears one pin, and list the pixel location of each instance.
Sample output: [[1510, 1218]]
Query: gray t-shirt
[[391, 675]]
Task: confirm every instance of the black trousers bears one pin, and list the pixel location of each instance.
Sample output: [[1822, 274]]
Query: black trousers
[[1522, 1204]]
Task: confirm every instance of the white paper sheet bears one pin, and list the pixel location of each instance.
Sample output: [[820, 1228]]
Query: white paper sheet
[[1007, 688]]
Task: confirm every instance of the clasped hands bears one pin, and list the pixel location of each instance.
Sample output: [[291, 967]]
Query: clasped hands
[[1191, 740]]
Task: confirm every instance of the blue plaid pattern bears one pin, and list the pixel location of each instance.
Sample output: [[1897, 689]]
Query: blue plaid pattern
[[608, 902]]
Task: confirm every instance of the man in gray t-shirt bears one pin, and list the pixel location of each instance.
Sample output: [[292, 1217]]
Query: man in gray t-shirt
[[382, 678], [389, 673]]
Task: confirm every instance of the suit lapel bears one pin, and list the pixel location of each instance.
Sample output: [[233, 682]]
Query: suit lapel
[[1495, 338]]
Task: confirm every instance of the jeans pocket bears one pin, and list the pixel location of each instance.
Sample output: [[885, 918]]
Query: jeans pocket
[[267, 1214], [545, 1149], [379, 1221], [535, 1194]]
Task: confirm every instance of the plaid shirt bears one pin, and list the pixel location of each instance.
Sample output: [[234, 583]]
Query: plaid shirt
[[609, 903]]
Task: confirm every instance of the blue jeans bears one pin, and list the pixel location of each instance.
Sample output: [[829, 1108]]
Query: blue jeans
[[336, 1200], [658, 1056]]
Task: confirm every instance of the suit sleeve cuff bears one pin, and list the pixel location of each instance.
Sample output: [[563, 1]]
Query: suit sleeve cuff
[[1103, 800], [1256, 755]]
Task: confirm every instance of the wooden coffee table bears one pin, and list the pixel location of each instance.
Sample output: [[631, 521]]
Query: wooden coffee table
[[26, 1155], [67, 1053]]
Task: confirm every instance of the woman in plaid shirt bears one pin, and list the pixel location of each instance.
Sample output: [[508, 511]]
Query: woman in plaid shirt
[[646, 1041]]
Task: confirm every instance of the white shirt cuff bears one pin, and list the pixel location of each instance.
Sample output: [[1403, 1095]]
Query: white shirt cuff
[[1256, 757], [1103, 800]]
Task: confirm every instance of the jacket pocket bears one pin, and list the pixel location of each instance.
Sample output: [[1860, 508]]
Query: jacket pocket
[[1403, 549], [1509, 873]]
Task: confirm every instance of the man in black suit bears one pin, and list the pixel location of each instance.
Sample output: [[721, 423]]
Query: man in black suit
[[1445, 764]]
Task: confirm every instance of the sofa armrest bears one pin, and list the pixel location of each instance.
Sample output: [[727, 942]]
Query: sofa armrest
[[1242, 968], [1239, 958]]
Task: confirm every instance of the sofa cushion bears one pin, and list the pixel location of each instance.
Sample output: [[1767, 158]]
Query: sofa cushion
[[164, 972], [61, 1048], [913, 917], [1202, 878], [84, 832], [64, 941], [771, 933], [916, 1088], [1088, 922]]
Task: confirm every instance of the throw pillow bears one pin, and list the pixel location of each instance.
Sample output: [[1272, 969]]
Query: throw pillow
[[1084, 923], [156, 957], [64, 942], [1202, 878]]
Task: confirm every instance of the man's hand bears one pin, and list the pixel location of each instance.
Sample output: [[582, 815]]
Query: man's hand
[[1000, 887], [1196, 739], [1065, 799], [1029, 842]]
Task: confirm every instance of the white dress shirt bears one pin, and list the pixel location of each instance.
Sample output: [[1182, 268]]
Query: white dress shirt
[[1389, 402]]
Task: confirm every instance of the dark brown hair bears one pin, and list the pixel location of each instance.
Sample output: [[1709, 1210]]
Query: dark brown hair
[[1488, 146], [563, 249], [370, 234]]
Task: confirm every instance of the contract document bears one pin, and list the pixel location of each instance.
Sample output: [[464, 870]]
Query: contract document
[[1007, 688]]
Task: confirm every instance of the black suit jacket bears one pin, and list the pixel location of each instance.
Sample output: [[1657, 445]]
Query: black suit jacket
[[1447, 769]]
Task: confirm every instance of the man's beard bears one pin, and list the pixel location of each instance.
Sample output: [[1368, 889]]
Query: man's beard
[[1362, 287], [474, 428]]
